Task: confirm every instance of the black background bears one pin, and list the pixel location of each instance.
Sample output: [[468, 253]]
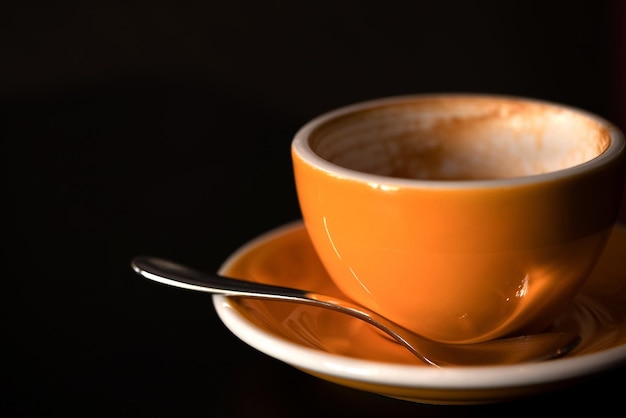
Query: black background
[[163, 127]]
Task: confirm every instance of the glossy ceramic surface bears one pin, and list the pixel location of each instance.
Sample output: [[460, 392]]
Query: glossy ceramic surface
[[460, 217], [349, 352]]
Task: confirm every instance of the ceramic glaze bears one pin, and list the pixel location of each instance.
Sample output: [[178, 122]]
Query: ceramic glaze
[[462, 218]]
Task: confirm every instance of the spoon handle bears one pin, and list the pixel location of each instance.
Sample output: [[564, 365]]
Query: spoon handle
[[173, 274]]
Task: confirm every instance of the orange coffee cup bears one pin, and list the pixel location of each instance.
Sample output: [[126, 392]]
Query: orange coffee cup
[[462, 217]]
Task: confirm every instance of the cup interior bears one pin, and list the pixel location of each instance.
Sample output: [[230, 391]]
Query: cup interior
[[459, 138]]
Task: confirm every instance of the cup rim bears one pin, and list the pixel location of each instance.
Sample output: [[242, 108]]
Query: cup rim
[[301, 147]]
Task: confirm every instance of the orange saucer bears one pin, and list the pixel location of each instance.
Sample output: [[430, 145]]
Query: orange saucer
[[347, 351]]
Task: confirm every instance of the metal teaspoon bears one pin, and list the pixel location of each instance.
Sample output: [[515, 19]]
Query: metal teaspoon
[[533, 347]]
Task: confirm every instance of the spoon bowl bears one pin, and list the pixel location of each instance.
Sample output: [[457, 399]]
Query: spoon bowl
[[518, 349]]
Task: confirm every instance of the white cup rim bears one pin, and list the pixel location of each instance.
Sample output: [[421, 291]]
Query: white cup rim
[[301, 147]]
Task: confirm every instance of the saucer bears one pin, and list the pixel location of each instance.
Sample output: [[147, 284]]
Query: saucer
[[347, 351]]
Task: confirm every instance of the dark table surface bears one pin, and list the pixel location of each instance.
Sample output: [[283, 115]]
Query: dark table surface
[[167, 139]]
